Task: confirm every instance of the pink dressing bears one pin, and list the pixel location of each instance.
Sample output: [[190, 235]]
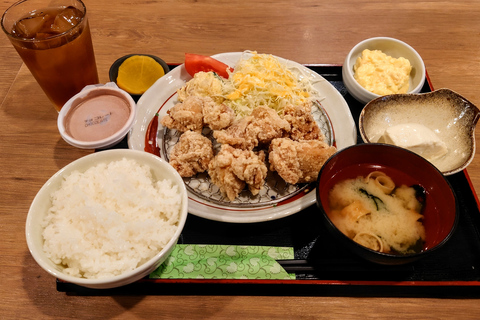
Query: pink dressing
[[97, 116]]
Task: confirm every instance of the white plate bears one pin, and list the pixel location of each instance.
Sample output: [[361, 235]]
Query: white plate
[[162, 96]]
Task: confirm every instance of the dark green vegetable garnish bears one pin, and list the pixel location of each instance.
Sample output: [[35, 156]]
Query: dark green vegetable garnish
[[375, 199], [420, 193], [417, 247]]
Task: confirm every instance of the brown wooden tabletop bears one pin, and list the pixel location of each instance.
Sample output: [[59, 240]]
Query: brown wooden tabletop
[[445, 33]]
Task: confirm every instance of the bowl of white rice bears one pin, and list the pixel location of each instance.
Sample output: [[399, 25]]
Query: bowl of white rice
[[107, 219]]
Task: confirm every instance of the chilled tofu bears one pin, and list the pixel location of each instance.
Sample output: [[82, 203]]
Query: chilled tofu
[[417, 138]]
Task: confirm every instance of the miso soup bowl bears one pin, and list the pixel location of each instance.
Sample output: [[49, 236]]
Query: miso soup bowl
[[440, 210]]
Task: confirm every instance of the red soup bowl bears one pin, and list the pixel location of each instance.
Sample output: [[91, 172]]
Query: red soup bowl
[[440, 208]]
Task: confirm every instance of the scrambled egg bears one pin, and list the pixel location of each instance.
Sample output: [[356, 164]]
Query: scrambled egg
[[204, 84], [382, 74]]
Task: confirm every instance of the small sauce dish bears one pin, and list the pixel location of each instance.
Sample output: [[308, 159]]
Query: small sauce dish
[[97, 117]]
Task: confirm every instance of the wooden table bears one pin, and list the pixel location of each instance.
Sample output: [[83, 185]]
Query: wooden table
[[446, 34]]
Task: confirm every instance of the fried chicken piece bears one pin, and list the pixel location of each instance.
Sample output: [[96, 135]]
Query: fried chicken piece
[[251, 168], [263, 125], [186, 115], [231, 169], [191, 154], [303, 125], [217, 115], [238, 135], [221, 174], [267, 124], [298, 161], [196, 111]]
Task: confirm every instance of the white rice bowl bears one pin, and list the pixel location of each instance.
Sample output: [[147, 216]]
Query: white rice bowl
[[107, 219]]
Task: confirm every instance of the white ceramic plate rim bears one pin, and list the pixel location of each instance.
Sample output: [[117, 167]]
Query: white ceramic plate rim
[[344, 131]]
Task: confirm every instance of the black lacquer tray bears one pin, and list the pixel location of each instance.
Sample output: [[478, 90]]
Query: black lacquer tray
[[325, 268]]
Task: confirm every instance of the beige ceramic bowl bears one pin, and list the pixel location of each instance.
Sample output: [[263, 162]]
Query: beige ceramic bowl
[[392, 47], [42, 202], [452, 117]]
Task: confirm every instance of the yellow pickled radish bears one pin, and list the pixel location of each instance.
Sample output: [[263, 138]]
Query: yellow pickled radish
[[138, 73]]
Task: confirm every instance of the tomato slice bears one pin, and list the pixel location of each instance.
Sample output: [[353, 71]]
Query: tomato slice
[[195, 63]]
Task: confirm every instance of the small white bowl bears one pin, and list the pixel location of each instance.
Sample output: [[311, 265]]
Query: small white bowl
[[42, 202], [392, 47], [97, 117]]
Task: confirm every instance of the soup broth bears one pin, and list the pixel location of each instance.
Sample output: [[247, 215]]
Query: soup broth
[[378, 213]]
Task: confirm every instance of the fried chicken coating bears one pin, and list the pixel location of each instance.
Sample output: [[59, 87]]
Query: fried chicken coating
[[186, 115], [303, 125], [231, 169], [217, 115], [250, 167], [267, 125], [298, 161], [195, 112], [192, 154], [238, 135], [263, 125]]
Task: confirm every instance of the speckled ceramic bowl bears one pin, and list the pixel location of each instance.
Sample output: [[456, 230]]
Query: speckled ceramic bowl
[[392, 47], [452, 117]]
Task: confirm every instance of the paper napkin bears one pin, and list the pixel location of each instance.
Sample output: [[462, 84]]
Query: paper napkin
[[189, 261]]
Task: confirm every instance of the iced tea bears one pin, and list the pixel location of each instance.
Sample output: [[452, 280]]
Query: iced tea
[[56, 45]]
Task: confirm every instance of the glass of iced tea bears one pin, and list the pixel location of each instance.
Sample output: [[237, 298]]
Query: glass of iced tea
[[56, 45]]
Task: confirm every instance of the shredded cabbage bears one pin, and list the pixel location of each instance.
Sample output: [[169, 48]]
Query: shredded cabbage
[[262, 80]]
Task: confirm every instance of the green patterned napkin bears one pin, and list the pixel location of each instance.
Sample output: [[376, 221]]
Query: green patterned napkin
[[189, 261]]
